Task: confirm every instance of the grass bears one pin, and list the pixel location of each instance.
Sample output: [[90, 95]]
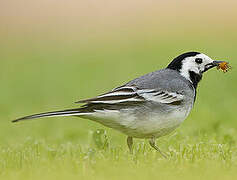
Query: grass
[[41, 78]]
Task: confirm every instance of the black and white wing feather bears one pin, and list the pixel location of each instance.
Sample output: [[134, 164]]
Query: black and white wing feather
[[132, 94], [163, 97], [117, 95]]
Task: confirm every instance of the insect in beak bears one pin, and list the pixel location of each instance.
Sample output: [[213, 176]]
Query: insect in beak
[[223, 65]]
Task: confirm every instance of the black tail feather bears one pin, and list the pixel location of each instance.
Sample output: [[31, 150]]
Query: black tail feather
[[68, 112]]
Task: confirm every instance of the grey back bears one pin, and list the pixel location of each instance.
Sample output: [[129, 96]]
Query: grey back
[[166, 80]]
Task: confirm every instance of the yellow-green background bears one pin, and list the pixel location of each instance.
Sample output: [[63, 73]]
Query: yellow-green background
[[55, 52]]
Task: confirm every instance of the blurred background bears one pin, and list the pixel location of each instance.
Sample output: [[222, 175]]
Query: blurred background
[[55, 52]]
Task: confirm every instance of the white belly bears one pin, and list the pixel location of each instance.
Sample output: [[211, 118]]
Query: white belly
[[158, 125], [147, 125]]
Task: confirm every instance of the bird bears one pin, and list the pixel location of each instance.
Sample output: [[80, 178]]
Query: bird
[[148, 107]]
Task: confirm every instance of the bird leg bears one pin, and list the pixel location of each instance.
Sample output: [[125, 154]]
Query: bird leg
[[130, 143], [153, 144]]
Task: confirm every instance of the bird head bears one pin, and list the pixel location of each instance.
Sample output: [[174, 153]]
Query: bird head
[[192, 65]]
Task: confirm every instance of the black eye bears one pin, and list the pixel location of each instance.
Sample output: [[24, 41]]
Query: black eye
[[198, 60]]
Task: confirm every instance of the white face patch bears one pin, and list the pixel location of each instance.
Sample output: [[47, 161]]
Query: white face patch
[[189, 64]]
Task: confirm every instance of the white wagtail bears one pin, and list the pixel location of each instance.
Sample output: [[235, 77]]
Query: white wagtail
[[150, 106]]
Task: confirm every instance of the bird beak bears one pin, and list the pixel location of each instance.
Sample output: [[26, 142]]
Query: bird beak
[[211, 65], [216, 63]]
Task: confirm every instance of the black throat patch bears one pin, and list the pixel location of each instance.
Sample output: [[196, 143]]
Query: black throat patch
[[195, 78]]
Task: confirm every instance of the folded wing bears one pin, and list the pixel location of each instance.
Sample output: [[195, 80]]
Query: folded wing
[[132, 94]]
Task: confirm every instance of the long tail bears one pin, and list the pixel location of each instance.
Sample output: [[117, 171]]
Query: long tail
[[67, 112]]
